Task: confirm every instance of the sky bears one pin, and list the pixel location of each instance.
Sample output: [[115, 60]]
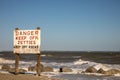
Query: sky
[[66, 25]]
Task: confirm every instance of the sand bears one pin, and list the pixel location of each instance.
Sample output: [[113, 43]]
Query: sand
[[5, 76]]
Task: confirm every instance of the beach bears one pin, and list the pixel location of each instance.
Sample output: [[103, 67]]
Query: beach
[[7, 76]]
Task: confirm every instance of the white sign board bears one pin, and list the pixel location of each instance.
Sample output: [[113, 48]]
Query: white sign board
[[27, 41]]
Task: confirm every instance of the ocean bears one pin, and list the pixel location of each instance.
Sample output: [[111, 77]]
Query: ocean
[[78, 61]]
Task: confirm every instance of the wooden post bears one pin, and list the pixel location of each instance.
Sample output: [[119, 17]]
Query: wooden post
[[38, 61], [38, 65], [16, 60], [16, 63]]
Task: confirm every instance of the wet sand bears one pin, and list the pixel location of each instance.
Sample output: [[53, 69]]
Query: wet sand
[[5, 76]]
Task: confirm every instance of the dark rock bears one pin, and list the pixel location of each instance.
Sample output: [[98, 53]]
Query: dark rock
[[61, 70], [41, 67], [48, 69], [5, 67], [65, 69], [101, 71], [33, 68], [91, 70], [21, 71], [83, 72]]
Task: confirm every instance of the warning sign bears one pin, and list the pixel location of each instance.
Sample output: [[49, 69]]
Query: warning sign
[[27, 41]]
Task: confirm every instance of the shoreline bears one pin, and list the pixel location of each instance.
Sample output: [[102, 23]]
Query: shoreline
[[8, 76]]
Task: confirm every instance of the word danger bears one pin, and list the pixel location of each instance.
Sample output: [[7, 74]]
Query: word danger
[[26, 32]]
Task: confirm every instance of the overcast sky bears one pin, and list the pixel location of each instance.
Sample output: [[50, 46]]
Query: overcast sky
[[66, 25]]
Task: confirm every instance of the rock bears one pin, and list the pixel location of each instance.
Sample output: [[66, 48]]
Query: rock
[[101, 71], [21, 71], [61, 70], [83, 72], [33, 68], [5, 67], [91, 70], [48, 69], [65, 69], [41, 67], [112, 72]]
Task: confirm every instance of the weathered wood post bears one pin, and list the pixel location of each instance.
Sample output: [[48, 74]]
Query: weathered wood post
[[16, 60], [38, 65], [16, 63], [38, 60]]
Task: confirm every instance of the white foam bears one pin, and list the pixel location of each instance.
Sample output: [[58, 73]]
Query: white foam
[[98, 66], [22, 64], [56, 70], [117, 74], [43, 55], [2, 60], [98, 74], [80, 61], [76, 71], [4, 72], [50, 74]]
